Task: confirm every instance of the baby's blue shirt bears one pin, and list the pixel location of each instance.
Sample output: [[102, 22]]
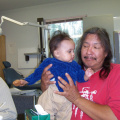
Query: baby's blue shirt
[[59, 68]]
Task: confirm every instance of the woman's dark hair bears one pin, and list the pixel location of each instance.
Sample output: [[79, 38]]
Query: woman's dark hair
[[104, 38], [57, 38]]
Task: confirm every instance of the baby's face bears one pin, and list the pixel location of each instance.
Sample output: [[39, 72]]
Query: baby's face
[[65, 51]]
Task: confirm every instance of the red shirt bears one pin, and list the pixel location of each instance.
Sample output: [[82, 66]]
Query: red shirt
[[104, 92]]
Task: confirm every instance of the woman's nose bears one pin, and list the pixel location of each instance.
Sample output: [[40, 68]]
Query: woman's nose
[[89, 50]]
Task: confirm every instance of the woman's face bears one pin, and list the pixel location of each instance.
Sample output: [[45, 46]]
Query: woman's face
[[92, 52]]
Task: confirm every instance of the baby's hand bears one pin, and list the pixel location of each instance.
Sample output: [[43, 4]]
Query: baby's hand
[[16, 83], [19, 82], [89, 72]]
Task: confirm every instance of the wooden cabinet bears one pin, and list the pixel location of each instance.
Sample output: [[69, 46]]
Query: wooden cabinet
[[2, 54]]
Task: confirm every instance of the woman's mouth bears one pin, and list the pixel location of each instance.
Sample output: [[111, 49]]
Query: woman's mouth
[[90, 58]]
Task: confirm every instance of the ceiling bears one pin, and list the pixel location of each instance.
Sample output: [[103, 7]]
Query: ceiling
[[15, 4]]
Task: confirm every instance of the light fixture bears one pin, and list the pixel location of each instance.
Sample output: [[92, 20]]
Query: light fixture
[[20, 23]]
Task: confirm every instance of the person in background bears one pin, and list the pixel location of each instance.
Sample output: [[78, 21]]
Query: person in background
[[62, 48], [7, 107], [99, 98]]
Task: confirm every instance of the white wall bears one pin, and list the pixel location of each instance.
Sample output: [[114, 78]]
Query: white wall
[[18, 37]]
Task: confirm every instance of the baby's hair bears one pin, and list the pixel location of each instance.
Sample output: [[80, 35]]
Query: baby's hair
[[56, 39]]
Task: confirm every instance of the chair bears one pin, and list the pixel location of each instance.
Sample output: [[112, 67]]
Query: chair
[[11, 75]]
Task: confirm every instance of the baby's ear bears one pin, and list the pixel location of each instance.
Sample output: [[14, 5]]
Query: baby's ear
[[56, 53]]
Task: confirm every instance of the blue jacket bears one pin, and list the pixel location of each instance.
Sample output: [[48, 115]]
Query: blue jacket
[[59, 68]]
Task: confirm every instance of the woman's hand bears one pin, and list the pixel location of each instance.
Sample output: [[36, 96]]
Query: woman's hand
[[70, 90], [45, 78]]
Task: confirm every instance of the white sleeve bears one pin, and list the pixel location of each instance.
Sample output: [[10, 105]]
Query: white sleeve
[[7, 107]]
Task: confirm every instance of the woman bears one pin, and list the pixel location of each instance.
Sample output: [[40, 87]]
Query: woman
[[99, 98]]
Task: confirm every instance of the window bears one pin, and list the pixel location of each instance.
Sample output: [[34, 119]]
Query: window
[[73, 28]]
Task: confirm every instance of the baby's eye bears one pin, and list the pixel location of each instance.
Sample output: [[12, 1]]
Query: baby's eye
[[69, 51]]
